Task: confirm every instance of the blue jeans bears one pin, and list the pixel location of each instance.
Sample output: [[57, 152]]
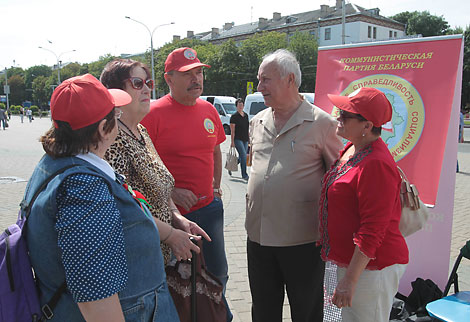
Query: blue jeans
[[211, 219], [242, 148], [156, 306]]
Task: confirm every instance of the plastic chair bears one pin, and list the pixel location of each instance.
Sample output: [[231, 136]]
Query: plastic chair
[[456, 307]]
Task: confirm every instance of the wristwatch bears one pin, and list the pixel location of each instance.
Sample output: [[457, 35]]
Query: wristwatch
[[218, 190]]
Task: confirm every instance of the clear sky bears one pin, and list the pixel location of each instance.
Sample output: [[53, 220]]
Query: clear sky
[[98, 27]]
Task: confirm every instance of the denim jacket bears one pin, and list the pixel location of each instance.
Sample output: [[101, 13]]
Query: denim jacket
[[146, 283]]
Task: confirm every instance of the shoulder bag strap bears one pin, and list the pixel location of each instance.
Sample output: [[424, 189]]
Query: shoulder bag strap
[[28, 206], [47, 309]]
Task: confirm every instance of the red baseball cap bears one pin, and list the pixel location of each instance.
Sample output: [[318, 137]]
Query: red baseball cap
[[371, 103], [83, 100], [182, 59]]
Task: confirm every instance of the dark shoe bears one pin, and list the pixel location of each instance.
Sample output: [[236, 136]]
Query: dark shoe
[[230, 172], [246, 178]]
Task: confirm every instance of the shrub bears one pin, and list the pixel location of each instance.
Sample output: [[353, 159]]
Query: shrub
[[15, 109], [35, 110]]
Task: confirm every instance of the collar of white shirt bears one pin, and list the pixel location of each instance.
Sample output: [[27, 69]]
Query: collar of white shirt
[[101, 164]]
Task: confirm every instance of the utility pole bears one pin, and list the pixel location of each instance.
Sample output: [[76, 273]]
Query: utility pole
[[6, 89], [154, 95], [58, 60], [343, 22]]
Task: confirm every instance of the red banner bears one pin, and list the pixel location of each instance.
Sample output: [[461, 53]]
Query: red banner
[[418, 76]]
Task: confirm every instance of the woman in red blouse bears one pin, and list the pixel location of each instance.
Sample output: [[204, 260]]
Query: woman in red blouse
[[360, 211]]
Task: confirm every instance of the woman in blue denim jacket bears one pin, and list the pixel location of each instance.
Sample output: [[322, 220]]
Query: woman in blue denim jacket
[[85, 228]]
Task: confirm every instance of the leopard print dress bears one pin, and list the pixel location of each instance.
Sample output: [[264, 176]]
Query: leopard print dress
[[145, 172]]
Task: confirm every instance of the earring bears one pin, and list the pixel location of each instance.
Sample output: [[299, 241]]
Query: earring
[[363, 134]]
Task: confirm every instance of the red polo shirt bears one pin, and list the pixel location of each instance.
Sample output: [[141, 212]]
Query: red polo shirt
[[185, 138]]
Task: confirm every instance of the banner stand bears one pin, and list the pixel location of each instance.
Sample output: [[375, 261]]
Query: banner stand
[[424, 77]]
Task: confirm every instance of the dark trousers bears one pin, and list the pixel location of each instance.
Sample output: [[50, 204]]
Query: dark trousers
[[298, 268]]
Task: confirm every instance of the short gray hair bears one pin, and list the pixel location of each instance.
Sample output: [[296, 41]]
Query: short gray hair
[[286, 62]]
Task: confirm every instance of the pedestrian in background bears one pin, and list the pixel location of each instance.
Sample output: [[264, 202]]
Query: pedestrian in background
[[239, 134], [293, 143], [21, 113], [3, 118], [29, 114], [461, 126], [360, 210], [461, 131]]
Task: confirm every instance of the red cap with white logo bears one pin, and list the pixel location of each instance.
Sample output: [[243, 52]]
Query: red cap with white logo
[[182, 59], [371, 103]]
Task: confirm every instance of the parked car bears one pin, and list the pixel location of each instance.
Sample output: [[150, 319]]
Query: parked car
[[310, 97], [225, 106], [254, 103]]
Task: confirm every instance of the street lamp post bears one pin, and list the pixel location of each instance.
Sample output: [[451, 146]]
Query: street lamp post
[[7, 89], [58, 60], [151, 48]]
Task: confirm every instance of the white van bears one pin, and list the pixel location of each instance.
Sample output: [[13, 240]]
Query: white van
[[254, 103], [225, 105]]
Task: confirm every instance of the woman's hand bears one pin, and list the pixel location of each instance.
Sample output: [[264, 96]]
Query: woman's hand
[[181, 245], [343, 294], [181, 222]]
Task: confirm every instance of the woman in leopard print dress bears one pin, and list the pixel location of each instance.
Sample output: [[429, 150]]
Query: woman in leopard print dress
[[134, 156]]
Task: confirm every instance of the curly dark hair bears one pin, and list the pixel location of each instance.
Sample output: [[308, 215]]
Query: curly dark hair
[[64, 142], [117, 71]]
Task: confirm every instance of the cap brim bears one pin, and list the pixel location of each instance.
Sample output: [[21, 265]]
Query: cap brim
[[121, 97], [191, 66], [342, 102]]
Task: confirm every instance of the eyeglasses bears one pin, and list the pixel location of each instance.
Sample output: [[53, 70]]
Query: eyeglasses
[[117, 113], [138, 83], [347, 115]]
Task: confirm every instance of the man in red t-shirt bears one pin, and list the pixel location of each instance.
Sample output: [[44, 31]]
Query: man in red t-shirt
[[187, 133]]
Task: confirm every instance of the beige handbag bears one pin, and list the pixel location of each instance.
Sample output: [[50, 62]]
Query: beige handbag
[[231, 164], [414, 212]]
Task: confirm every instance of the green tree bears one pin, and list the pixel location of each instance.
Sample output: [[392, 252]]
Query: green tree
[[305, 48], [403, 17], [163, 53], [233, 65], [252, 51], [422, 22], [223, 79], [17, 89], [95, 68], [456, 31], [30, 74], [41, 93], [69, 71], [13, 71]]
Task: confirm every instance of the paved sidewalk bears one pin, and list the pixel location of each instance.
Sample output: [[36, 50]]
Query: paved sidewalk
[[20, 151]]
